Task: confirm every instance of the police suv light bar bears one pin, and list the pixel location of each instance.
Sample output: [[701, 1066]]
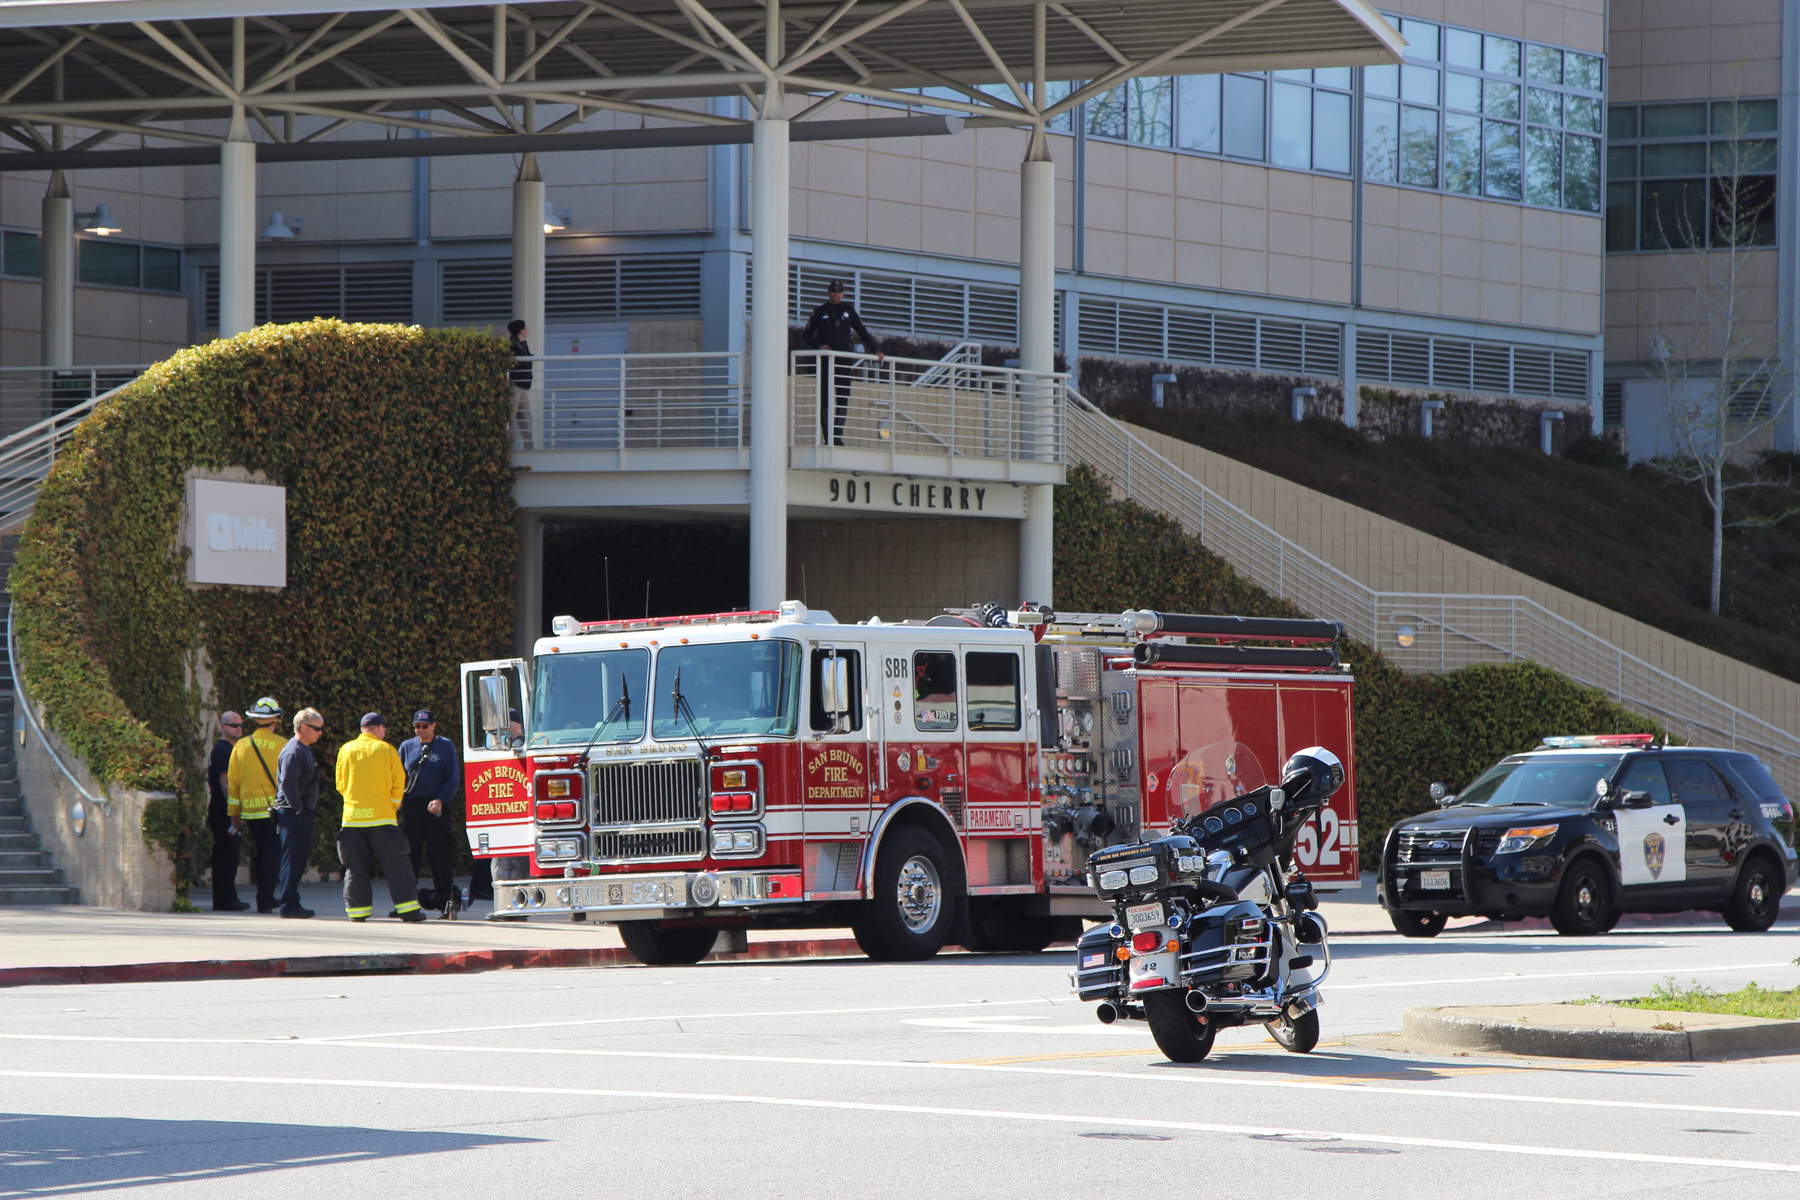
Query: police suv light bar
[[1593, 741]]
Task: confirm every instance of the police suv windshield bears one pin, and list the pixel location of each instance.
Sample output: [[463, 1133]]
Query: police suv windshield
[[572, 693], [730, 689], [1561, 780]]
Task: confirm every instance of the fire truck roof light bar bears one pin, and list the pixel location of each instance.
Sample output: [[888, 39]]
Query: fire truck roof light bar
[[791, 610]]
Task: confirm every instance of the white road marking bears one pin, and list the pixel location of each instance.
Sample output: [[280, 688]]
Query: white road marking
[[928, 1111], [1522, 977], [1177, 1078]]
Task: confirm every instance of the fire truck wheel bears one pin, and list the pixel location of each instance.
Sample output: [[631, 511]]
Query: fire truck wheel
[[1182, 1035], [656, 947], [914, 902], [1001, 930]]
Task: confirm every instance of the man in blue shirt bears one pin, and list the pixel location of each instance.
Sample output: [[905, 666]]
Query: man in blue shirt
[[428, 809]]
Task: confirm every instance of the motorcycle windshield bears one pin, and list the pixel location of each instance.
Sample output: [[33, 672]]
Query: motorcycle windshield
[[1214, 774]]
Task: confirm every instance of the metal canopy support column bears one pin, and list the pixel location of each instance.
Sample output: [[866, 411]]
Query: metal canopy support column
[[1037, 352], [57, 239], [528, 281], [237, 231], [769, 355]]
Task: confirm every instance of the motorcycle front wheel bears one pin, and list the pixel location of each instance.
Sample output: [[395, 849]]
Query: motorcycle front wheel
[[1296, 1037], [1180, 1034]]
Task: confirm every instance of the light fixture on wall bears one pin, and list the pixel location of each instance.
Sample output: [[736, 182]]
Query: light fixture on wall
[[279, 227], [99, 222], [555, 219]]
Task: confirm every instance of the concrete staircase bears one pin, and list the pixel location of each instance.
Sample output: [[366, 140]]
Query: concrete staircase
[[27, 875]]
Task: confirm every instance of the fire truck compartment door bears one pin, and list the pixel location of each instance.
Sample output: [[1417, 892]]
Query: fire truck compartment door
[[496, 790]]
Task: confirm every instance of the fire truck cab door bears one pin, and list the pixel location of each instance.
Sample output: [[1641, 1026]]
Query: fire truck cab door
[[995, 717], [495, 787], [840, 766]]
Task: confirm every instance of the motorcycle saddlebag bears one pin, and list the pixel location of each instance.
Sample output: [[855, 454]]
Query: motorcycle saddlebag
[[1098, 973]]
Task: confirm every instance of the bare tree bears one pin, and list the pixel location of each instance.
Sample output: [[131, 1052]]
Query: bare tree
[[1726, 366]]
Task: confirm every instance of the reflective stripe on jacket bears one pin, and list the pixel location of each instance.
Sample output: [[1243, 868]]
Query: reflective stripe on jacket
[[371, 781], [248, 789]]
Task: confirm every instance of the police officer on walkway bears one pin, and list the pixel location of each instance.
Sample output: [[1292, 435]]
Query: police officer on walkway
[[372, 781], [218, 818], [249, 790], [428, 811], [835, 325]]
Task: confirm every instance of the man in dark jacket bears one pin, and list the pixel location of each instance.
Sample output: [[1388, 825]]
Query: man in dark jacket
[[835, 325], [521, 378], [428, 809], [296, 803], [225, 841]]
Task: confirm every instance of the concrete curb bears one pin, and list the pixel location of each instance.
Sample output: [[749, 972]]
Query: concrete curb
[[1600, 1031]]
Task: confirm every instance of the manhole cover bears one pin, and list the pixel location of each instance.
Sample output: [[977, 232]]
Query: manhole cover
[[1130, 1137]]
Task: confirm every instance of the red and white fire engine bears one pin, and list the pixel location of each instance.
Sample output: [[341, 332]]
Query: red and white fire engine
[[921, 781]]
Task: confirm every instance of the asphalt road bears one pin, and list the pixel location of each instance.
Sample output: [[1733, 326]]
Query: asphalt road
[[964, 1076]]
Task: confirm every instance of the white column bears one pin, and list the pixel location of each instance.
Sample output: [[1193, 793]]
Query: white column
[[528, 278], [1037, 352], [768, 357], [57, 239], [237, 231]]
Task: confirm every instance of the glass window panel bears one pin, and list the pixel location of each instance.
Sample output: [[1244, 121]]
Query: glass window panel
[[1421, 38], [1199, 125], [1419, 84], [1582, 71], [1243, 117], [1749, 157], [1462, 154], [1621, 162], [1381, 81], [1582, 113], [1674, 120], [1621, 121], [1581, 173], [162, 269], [1299, 76], [1106, 114], [1290, 129], [1150, 120], [1543, 167], [1500, 99], [1501, 56], [1681, 158], [1056, 91], [1331, 132], [1673, 213], [1500, 159], [1544, 64], [1462, 91], [1621, 216], [1743, 211], [23, 255], [1743, 116], [1462, 48], [1337, 77], [1419, 146], [1543, 106], [109, 263], [1381, 140]]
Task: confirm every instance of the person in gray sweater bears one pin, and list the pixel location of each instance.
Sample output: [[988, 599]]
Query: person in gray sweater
[[296, 803]]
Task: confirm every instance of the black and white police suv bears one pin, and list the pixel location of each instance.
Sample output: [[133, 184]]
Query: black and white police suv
[[1582, 829]]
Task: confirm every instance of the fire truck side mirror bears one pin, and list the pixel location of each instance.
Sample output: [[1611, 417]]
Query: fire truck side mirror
[[494, 721], [835, 683]]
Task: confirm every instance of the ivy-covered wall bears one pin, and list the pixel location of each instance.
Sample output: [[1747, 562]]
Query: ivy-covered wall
[[1411, 730], [393, 444]]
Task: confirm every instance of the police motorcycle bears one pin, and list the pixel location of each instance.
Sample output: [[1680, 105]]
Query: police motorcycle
[[1214, 925]]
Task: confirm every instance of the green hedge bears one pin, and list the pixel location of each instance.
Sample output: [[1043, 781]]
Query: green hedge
[[1411, 730], [393, 444]]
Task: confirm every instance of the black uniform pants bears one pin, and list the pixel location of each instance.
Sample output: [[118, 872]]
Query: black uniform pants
[[429, 839], [359, 848], [296, 829], [835, 376], [265, 858], [224, 856]]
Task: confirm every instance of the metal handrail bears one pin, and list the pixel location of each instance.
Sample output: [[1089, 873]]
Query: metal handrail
[[24, 702], [1525, 628]]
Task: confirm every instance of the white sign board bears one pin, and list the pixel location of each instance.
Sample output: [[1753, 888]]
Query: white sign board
[[237, 533], [905, 494]]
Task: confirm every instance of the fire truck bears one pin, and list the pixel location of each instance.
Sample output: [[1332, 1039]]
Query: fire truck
[[922, 782]]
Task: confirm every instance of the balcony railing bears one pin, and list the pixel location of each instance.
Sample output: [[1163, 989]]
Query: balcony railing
[[926, 406], [633, 401], [39, 408]]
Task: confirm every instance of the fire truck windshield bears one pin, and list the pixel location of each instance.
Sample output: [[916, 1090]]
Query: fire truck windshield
[[571, 694], [732, 688]]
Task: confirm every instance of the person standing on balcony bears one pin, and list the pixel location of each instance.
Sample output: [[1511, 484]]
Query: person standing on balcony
[[521, 378], [225, 840], [836, 325]]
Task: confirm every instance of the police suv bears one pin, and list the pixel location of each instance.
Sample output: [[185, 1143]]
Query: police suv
[[1583, 829]]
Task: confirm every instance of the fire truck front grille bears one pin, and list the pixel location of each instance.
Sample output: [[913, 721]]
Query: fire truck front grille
[[650, 793], [648, 845]]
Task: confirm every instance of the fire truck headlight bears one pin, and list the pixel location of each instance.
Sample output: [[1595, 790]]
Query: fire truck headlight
[[704, 890], [738, 841]]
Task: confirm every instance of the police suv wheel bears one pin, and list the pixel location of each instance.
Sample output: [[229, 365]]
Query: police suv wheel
[[1755, 898], [1584, 904], [1417, 924]]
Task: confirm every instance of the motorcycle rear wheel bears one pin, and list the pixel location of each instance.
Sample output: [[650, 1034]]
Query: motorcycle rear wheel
[[1296, 1037], [1180, 1034]]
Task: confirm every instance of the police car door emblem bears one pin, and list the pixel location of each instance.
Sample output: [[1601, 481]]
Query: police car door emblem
[[1653, 854]]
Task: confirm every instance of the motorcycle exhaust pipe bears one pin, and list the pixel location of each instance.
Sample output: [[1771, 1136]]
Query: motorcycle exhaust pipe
[[1108, 1012], [1298, 1007], [1196, 1001]]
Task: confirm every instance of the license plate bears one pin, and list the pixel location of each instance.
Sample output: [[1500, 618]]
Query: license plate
[[1143, 916], [1434, 881]]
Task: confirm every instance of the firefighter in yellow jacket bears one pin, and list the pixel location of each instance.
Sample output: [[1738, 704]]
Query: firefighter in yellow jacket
[[250, 789], [372, 781]]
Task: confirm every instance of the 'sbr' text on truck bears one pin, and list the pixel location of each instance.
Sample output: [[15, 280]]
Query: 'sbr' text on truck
[[920, 782]]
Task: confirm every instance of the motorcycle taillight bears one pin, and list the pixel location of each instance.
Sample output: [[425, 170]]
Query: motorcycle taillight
[[1146, 942]]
